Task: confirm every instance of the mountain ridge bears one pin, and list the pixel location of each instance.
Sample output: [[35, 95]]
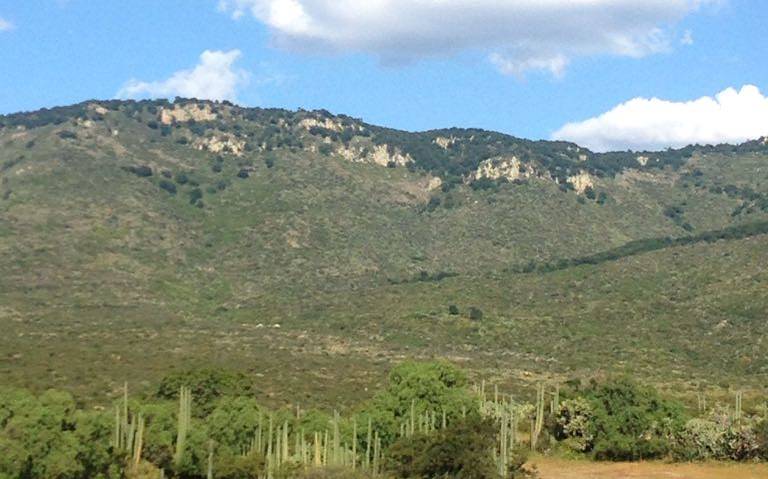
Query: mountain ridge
[[120, 218]]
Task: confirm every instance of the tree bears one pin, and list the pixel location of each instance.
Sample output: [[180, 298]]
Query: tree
[[460, 451], [632, 422], [419, 387]]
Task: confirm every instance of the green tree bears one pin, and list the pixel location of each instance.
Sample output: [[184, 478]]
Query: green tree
[[463, 450], [632, 422]]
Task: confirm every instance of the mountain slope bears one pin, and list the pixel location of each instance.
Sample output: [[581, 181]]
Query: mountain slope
[[151, 216]]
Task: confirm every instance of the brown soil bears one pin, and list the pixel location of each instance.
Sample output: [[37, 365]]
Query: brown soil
[[564, 469]]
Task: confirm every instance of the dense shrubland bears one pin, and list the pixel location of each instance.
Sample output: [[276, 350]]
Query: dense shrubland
[[427, 422]]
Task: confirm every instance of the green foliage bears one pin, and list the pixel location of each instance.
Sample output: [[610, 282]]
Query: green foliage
[[701, 439], [206, 386], [46, 436], [460, 451], [574, 424], [632, 422], [417, 387], [453, 310]]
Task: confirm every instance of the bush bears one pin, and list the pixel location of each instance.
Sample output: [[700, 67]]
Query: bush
[[632, 422], [243, 173], [207, 385], [142, 171], [453, 310], [325, 149], [475, 314], [460, 451], [195, 196], [168, 186], [573, 424], [431, 386], [182, 178], [701, 439], [67, 135]]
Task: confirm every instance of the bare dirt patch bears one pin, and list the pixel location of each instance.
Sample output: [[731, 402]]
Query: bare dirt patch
[[564, 469]]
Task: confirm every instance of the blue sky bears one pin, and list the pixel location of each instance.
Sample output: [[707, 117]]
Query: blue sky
[[410, 65]]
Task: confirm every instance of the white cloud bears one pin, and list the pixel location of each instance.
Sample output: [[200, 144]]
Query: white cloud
[[687, 38], [214, 78], [730, 117], [520, 35], [5, 25]]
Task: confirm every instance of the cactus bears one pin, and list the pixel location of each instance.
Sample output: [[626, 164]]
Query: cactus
[[538, 423], [183, 422]]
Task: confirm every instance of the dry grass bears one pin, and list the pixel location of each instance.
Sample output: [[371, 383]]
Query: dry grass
[[564, 469]]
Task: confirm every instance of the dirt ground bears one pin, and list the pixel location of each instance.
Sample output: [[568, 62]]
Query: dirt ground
[[563, 469]]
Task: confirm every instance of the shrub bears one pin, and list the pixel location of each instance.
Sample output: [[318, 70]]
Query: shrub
[[573, 424], [460, 451], [206, 385], [475, 314], [453, 310], [701, 439], [168, 186], [67, 135], [742, 443], [142, 171], [430, 386], [195, 195], [632, 422], [761, 434], [243, 173], [325, 149], [182, 178]]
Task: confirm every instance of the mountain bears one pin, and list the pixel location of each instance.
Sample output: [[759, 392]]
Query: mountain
[[139, 237]]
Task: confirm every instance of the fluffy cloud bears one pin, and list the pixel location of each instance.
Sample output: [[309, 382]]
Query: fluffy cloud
[[214, 78], [5, 25], [520, 35], [730, 117]]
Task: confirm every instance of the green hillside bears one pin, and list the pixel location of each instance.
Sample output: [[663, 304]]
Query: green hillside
[[139, 237]]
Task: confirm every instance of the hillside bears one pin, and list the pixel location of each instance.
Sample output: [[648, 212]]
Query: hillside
[[137, 237]]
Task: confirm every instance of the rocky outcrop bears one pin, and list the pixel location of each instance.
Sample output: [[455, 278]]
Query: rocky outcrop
[[185, 113], [379, 155], [327, 123], [510, 168], [221, 144], [434, 183], [581, 182], [444, 142]]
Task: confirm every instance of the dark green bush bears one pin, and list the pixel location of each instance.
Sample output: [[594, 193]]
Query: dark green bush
[[453, 310], [460, 451], [632, 422], [67, 135], [168, 186], [207, 385], [142, 171], [475, 314]]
